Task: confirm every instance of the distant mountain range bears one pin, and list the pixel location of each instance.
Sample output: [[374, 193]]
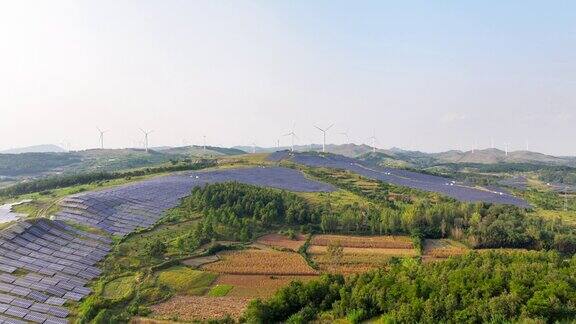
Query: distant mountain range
[[396, 157], [44, 148]]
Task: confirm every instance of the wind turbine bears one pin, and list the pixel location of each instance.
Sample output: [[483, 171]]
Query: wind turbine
[[253, 148], [324, 134], [373, 139], [292, 135], [346, 135], [146, 133], [204, 147], [506, 148], [66, 145], [101, 137]]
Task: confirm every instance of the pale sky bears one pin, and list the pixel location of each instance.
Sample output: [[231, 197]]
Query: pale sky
[[426, 75]]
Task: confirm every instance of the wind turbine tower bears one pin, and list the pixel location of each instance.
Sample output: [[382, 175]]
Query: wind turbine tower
[[292, 135], [146, 133], [373, 139], [204, 146], [506, 148], [101, 137], [324, 136], [253, 148]]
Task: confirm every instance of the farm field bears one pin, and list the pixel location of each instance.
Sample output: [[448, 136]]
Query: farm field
[[441, 249], [199, 308], [281, 241], [256, 286], [186, 281], [359, 253], [260, 262], [380, 242], [227, 282]]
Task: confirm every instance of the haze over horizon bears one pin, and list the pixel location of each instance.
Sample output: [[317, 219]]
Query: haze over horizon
[[426, 76]]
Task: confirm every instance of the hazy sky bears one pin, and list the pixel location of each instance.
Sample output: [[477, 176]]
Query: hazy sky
[[427, 75]]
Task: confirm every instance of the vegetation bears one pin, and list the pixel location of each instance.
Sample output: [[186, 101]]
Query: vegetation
[[239, 212], [478, 287], [220, 290], [34, 163], [401, 211], [55, 182], [184, 280]]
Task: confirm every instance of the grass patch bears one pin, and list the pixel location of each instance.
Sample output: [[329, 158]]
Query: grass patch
[[220, 290], [184, 280], [119, 288]]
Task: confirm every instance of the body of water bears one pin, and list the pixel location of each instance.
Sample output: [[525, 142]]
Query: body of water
[[6, 214]]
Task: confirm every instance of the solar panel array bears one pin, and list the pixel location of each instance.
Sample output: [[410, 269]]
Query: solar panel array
[[123, 209], [44, 264], [405, 178]]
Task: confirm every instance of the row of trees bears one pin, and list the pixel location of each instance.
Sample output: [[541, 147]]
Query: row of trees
[[475, 288]]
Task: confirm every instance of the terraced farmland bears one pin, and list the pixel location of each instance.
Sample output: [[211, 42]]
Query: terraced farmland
[[359, 253], [261, 262], [281, 241], [404, 178]]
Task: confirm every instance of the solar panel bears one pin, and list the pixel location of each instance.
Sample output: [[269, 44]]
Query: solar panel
[[4, 298], [19, 302], [36, 317], [58, 311], [40, 307], [20, 291], [16, 311], [56, 301], [54, 320], [8, 320]]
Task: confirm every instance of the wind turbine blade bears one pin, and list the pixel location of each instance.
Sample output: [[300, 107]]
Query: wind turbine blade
[[320, 129], [329, 127]]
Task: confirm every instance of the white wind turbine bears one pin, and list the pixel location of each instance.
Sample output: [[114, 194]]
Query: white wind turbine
[[253, 148], [101, 137], [345, 134], [292, 135], [146, 133], [506, 148], [373, 139], [324, 136]]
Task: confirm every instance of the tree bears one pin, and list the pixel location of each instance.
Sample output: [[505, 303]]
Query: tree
[[156, 249]]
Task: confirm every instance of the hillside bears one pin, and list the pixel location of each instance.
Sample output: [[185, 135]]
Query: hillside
[[198, 150], [33, 165], [45, 148]]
